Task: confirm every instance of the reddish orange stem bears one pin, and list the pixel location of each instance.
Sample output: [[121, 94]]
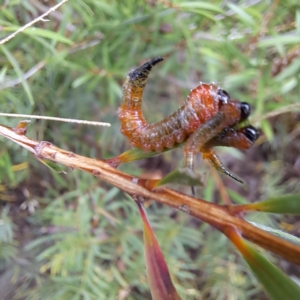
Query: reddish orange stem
[[216, 215]]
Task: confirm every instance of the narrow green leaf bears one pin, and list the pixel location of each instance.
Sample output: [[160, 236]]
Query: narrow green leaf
[[33, 31], [288, 204], [161, 51], [109, 8], [201, 5], [182, 176], [277, 285], [135, 20], [298, 21], [19, 72], [2, 74], [135, 154], [288, 71], [47, 44], [236, 80], [243, 16], [267, 129], [288, 85], [86, 8], [52, 165], [278, 232], [237, 197], [81, 80], [119, 277], [204, 13], [279, 40]]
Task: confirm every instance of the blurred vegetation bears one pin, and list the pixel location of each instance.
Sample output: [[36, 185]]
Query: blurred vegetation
[[73, 237]]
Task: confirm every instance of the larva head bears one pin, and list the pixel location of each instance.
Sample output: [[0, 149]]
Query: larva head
[[245, 111], [251, 133], [241, 138], [223, 96], [244, 137]]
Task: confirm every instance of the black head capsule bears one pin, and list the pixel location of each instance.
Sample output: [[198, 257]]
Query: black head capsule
[[245, 110], [251, 133], [224, 97], [140, 75]]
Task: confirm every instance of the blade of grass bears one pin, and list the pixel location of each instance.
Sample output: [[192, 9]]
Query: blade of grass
[[243, 16], [201, 5], [277, 285], [288, 204], [19, 72], [135, 154], [280, 233], [279, 40], [33, 31], [181, 176]]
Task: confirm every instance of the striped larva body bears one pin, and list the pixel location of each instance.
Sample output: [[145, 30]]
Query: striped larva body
[[200, 122]]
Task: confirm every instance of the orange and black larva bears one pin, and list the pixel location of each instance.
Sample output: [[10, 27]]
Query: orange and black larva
[[207, 119]]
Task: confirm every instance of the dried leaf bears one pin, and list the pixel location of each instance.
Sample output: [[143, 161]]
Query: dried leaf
[[159, 278]]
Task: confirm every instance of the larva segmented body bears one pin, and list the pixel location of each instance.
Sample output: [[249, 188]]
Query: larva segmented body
[[200, 121], [174, 129]]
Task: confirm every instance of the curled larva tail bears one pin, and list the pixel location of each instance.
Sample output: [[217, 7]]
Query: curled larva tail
[[134, 85], [139, 76], [130, 112]]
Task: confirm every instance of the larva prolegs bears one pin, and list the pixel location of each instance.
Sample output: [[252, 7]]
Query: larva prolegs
[[229, 115], [199, 138], [215, 162]]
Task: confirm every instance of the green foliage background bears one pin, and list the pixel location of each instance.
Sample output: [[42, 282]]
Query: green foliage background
[[84, 239]]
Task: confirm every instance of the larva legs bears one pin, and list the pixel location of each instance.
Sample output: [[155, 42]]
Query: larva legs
[[202, 135], [229, 115], [215, 162], [242, 138]]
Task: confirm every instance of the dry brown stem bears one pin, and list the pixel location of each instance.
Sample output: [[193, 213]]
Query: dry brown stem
[[215, 215]]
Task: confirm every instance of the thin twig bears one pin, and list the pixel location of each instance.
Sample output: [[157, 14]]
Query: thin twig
[[29, 73], [40, 18], [282, 110], [56, 15], [86, 122]]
